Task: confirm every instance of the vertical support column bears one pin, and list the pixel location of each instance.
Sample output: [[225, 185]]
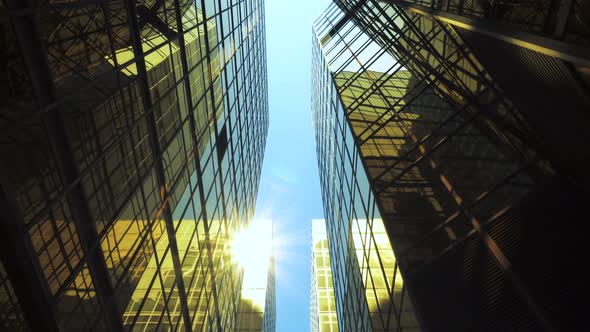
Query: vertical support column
[[563, 14]]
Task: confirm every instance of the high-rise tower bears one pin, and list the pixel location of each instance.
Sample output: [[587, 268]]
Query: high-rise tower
[[454, 124], [132, 140]]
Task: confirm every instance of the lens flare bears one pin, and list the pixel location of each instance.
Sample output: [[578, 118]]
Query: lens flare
[[251, 249]]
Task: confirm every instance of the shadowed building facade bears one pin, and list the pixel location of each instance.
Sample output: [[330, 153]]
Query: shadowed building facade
[[368, 285], [455, 124], [133, 134]]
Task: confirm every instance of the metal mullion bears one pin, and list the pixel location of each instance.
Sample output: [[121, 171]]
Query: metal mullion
[[493, 249], [498, 99], [375, 35], [204, 213], [67, 188], [377, 86], [192, 126], [46, 8], [227, 85], [22, 267], [423, 65], [370, 62], [113, 144], [435, 146], [85, 30], [167, 299], [149, 288], [140, 181], [54, 104], [393, 306], [532, 41], [140, 241], [423, 41], [87, 170], [330, 21], [156, 152], [102, 165], [54, 227], [342, 40], [198, 259], [60, 58], [489, 84], [395, 113], [563, 14], [80, 35], [353, 54], [451, 218], [377, 83], [238, 109], [83, 310], [82, 262], [147, 222], [495, 120], [400, 32]]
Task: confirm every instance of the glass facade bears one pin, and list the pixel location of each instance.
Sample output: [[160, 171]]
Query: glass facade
[[434, 143], [323, 316], [562, 20], [368, 285], [133, 134]]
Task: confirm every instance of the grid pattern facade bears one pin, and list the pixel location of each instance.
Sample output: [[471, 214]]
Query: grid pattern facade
[[133, 134], [459, 161], [323, 317], [563, 20], [369, 289]]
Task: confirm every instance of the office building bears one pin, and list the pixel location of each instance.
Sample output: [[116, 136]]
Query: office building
[[454, 124], [132, 142]]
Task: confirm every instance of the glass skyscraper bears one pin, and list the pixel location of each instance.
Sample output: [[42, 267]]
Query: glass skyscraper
[[368, 285], [132, 139], [446, 140]]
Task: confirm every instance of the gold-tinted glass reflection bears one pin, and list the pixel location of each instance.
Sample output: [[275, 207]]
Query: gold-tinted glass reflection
[[133, 179], [323, 305], [382, 278]]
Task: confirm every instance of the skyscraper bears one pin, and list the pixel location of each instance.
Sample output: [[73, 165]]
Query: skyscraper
[[132, 141], [452, 124]]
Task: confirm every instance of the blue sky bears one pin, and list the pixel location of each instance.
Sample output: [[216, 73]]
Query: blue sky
[[289, 191]]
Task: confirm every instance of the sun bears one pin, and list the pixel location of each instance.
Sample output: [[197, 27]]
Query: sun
[[252, 248]]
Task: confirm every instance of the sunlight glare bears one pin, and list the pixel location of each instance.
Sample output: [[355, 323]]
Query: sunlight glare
[[252, 248]]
